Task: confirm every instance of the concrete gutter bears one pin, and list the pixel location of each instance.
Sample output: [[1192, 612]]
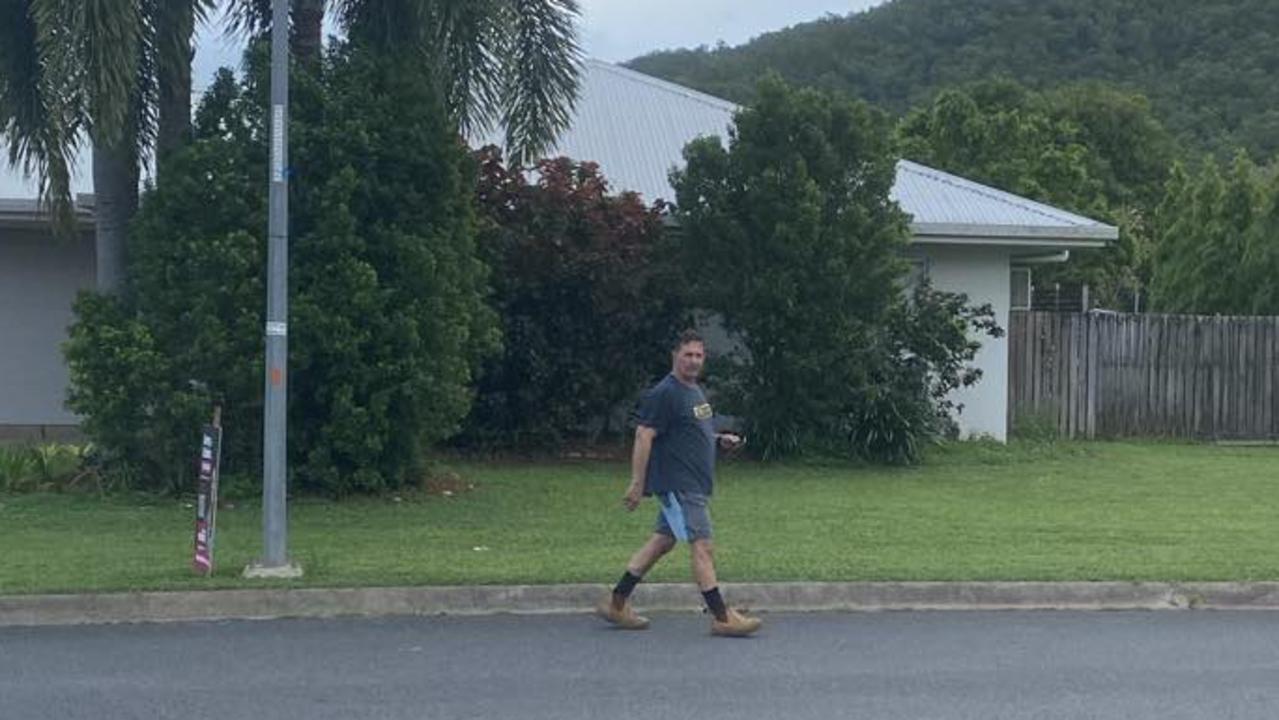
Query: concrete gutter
[[29, 610]]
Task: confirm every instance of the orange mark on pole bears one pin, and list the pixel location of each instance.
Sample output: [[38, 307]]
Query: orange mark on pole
[[276, 376]]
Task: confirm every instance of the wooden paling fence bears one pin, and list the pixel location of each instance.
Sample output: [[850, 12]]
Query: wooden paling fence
[[1104, 374]]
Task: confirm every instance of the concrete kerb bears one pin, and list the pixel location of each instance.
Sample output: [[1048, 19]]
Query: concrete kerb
[[28, 610]]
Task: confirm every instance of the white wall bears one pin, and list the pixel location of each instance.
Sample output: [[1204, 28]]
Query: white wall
[[39, 278], [983, 274]]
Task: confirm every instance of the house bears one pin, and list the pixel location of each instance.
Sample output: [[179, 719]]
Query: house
[[39, 279], [966, 237]]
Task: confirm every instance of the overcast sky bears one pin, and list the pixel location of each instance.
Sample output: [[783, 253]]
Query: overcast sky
[[611, 30]]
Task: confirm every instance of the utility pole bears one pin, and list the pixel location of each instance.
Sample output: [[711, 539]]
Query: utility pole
[[274, 561]]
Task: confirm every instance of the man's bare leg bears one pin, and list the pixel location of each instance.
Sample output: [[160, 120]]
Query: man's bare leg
[[642, 561], [727, 621], [647, 556], [704, 565]]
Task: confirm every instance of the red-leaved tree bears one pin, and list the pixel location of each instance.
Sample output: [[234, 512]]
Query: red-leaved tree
[[589, 296]]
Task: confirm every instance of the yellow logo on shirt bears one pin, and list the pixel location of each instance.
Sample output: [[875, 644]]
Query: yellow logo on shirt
[[703, 411]]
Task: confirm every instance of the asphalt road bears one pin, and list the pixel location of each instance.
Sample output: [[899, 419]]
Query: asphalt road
[[908, 665]]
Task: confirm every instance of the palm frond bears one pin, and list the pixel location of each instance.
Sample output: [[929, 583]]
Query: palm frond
[[143, 103], [542, 69], [203, 9], [390, 25], [513, 61], [109, 35], [470, 39], [244, 18], [40, 118]]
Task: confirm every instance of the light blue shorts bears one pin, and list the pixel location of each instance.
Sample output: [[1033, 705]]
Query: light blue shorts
[[684, 516]]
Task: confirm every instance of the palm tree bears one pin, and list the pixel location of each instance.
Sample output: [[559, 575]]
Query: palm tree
[[48, 86], [175, 23], [513, 62], [118, 73], [114, 72]]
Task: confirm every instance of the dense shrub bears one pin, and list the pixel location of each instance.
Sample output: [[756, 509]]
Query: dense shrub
[[387, 314], [792, 239]]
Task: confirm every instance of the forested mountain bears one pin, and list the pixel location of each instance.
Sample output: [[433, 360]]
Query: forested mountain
[[1209, 67]]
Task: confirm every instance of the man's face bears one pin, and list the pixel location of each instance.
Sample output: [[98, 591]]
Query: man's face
[[689, 359]]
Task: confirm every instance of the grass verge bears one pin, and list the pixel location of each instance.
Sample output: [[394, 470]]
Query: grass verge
[[1027, 511]]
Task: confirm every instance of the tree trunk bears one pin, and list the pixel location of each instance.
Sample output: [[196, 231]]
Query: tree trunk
[[115, 187], [308, 31], [175, 28]]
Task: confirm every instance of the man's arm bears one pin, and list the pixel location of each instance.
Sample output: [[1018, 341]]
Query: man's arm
[[639, 465]]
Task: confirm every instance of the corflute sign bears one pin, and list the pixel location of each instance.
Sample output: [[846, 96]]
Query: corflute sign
[[206, 502]]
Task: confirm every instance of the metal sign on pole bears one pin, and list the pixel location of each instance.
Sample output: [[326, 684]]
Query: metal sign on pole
[[274, 561]]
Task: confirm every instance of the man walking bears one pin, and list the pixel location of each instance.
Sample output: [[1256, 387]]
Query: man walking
[[674, 461]]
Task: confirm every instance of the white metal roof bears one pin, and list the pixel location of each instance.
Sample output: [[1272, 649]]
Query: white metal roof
[[635, 126], [27, 212], [948, 206]]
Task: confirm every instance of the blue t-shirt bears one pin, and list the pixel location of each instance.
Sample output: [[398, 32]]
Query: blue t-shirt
[[683, 456]]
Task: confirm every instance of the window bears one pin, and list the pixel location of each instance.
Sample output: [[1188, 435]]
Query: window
[[1019, 297]]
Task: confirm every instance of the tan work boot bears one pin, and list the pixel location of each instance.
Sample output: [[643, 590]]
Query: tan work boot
[[735, 624], [622, 616]]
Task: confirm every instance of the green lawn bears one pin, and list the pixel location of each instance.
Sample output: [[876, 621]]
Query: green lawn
[[1102, 511]]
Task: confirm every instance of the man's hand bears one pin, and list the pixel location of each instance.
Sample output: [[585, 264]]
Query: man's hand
[[730, 441], [634, 493]]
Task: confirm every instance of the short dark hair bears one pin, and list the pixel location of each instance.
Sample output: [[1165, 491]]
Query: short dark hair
[[686, 337]]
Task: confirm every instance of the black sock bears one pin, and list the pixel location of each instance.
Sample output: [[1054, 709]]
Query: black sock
[[626, 585], [716, 604]]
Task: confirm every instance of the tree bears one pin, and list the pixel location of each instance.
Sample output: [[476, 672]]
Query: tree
[[1261, 254], [120, 71], [116, 71], [66, 69], [1001, 134], [1174, 230], [176, 21], [513, 61], [792, 239], [40, 132], [388, 317], [1215, 251], [1129, 149], [587, 291], [1088, 148]]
